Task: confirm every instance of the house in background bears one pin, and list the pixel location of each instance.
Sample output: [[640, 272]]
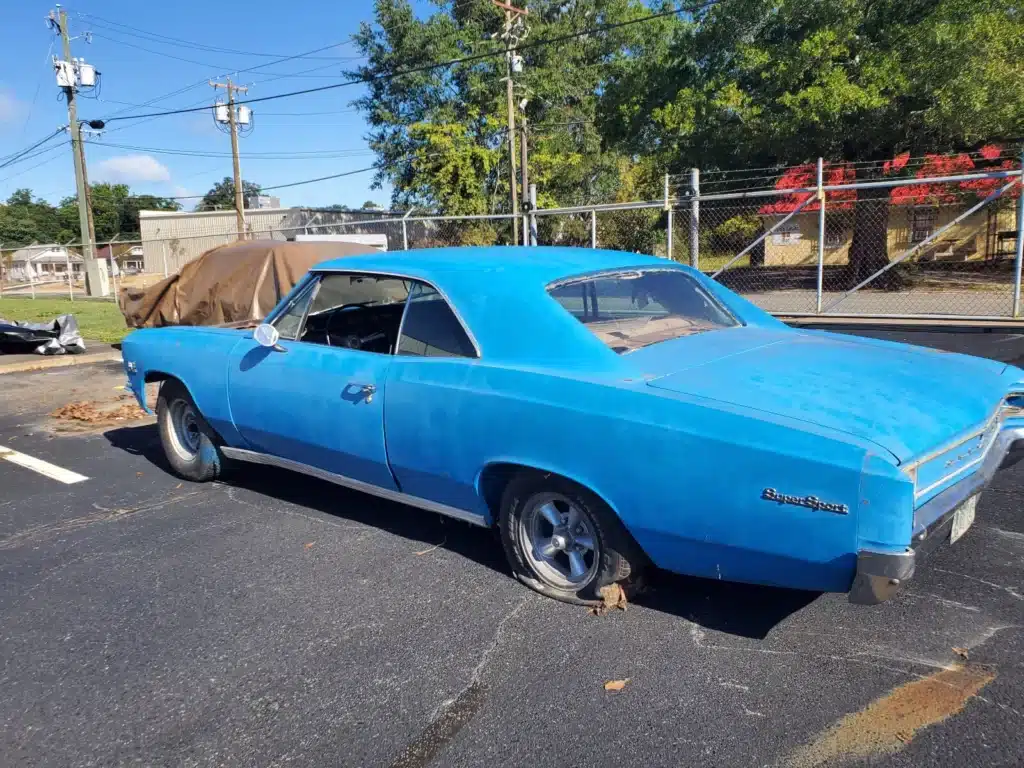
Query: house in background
[[127, 258], [913, 214], [41, 263]]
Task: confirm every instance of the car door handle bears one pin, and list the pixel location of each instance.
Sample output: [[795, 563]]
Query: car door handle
[[368, 390]]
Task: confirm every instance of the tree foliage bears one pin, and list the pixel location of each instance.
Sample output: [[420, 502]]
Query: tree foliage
[[222, 194], [24, 219]]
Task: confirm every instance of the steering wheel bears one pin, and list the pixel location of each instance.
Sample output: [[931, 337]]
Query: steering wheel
[[351, 340]]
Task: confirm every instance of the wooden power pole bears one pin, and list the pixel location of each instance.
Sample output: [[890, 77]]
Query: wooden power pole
[[232, 120], [511, 33]]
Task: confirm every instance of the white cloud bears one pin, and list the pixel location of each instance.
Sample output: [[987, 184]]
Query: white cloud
[[130, 168], [11, 110]]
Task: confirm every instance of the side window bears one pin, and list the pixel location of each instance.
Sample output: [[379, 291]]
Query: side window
[[356, 311], [289, 321], [431, 329]]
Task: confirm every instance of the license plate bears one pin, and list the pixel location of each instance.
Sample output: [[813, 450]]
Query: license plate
[[962, 518]]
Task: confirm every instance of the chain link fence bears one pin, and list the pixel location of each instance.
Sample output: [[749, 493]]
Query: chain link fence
[[923, 247]]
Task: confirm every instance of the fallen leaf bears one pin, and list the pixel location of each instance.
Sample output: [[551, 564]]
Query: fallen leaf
[[138, 474], [612, 597], [178, 486], [615, 685], [961, 652], [309, 544]]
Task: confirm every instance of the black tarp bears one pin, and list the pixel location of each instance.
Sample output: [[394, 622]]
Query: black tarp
[[57, 337]]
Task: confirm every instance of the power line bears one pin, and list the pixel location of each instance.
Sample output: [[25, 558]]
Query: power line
[[207, 64], [439, 65], [15, 156], [305, 155]]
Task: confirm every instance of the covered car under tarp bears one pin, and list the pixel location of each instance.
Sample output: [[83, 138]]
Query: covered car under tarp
[[231, 284], [57, 337]]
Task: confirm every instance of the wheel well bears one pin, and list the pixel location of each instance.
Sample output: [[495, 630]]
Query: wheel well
[[495, 478], [152, 376]]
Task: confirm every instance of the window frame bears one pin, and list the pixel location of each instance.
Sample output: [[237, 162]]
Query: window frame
[[929, 215], [319, 275]]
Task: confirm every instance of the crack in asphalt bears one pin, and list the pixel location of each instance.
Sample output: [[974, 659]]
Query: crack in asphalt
[[453, 714], [45, 531]]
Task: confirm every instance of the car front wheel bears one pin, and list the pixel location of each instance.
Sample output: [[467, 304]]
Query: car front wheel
[[189, 442], [563, 541]]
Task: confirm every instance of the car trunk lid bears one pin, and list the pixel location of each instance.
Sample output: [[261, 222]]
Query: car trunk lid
[[905, 399]]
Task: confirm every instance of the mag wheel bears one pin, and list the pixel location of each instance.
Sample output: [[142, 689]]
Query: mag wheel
[[189, 443], [563, 541]]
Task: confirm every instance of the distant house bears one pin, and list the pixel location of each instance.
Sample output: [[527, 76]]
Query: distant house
[[127, 257], [915, 212], [43, 263]]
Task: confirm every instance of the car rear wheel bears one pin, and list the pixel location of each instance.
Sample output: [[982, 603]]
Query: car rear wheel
[[189, 443], [563, 541]]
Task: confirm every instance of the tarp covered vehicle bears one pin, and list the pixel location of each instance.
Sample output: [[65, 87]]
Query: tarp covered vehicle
[[231, 284]]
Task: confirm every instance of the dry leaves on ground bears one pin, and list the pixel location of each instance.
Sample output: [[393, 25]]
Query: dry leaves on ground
[[309, 544], [88, 415], [612, 597], [961, 652], [615, 685]]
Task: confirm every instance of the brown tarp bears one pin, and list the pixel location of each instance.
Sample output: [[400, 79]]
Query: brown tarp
[[235, 283]]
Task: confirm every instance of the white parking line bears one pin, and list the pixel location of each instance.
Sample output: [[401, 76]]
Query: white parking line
[[42, 467]]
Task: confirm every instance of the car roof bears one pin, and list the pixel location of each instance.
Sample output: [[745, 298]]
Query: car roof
[[500, 294], [536, 264]]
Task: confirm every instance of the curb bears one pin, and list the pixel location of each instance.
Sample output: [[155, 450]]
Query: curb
[[60, 361], [905, 324]]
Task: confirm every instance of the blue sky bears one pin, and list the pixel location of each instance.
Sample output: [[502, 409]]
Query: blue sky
[[324, 122]]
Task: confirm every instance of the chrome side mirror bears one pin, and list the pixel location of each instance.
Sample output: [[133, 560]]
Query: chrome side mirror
[[267, 336]]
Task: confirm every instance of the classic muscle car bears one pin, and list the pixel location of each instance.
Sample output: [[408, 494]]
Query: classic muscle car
[[604, 410]]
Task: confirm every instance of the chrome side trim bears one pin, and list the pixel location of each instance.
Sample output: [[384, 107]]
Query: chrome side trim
[[255, 457], [962, 438]]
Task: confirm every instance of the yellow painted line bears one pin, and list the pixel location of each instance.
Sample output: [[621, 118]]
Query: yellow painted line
[[45, 468]]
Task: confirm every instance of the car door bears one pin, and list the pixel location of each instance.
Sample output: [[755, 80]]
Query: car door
[[317, 397]]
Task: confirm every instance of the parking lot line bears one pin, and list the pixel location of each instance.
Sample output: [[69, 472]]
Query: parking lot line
[[42, 467]]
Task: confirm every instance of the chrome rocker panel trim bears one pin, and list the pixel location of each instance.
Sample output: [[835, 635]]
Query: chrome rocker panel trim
[[255, 457], [879, 574]]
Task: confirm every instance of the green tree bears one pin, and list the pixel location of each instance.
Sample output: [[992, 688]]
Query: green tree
[[441, 135], [222, 194], [750, 82]]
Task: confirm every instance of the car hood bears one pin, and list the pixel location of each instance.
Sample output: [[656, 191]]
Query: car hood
[[903, 398]]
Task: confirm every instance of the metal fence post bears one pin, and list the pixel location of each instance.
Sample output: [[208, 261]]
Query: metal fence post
[[67, 262], [593, 228], [668, 213], [1019, 255], [533, 216], [821, 234], [695, 218]]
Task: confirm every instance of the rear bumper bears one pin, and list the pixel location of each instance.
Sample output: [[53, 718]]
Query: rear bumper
[[880, 574]]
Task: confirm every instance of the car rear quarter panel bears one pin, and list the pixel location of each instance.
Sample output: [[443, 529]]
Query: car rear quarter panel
[[198, 357], [685, 479]]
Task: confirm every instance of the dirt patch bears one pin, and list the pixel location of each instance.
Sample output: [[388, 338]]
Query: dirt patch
[[889, 723], [88, 415]]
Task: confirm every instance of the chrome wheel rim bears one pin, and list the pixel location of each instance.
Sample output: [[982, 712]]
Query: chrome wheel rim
[[184, 433], [559, 541]]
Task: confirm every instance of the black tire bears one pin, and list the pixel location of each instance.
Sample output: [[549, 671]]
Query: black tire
[[615, 557], [190, 445]]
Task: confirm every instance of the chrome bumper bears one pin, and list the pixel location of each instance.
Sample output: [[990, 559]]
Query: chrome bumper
[[879, 574]]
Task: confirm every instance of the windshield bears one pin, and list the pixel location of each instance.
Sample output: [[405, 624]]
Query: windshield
[[630, 309]]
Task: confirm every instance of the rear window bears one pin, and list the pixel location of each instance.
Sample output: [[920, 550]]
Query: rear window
[[630, 309]]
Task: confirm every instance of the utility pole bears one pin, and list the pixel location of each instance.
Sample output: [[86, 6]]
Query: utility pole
[[233, 119], [513, 31], [69, 75]]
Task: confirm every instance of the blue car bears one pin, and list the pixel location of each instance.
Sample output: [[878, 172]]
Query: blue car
[[605, 411]]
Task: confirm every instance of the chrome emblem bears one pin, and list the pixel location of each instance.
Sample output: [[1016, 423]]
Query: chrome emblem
[[811, 502]]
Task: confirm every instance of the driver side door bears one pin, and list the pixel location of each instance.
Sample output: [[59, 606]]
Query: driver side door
[[317, 397]]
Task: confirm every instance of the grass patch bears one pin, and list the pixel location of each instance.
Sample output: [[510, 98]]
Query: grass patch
[[713, 262], [97, 320]]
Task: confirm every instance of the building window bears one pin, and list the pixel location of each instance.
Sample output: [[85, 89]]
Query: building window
[[787, 234], [922, 223], [835, 232]]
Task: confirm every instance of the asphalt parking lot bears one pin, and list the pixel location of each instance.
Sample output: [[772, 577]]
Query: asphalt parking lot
[[273, 619]]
